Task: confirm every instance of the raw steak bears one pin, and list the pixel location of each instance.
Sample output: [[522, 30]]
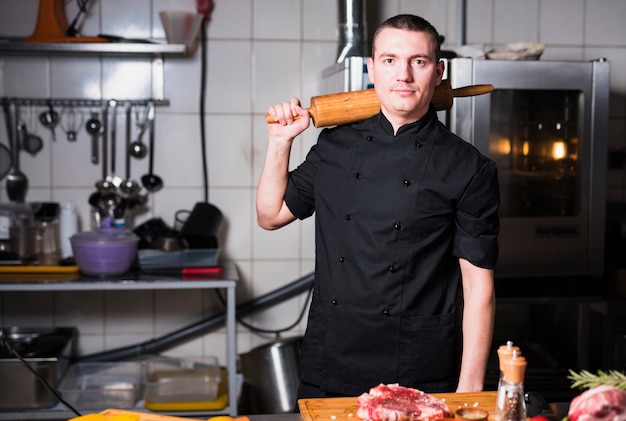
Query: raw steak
[[393, 402], [601, 403]]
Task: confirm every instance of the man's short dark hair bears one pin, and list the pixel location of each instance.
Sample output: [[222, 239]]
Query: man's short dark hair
[[410, 23]]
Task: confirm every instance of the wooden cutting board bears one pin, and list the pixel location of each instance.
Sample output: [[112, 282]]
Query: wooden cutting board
[[344, 409]]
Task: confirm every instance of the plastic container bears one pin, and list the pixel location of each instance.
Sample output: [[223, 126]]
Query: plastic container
[[103, 385], [181, 381], [104, 251], [180, 27]]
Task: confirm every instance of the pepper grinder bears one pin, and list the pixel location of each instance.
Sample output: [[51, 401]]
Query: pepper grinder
[[510, 403], [505, 352]]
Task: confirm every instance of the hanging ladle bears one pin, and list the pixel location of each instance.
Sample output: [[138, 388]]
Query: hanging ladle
[[129, 186], [94, 128], [137, 148], [151, 181], [32, 142], [50, 119], [16, 183]]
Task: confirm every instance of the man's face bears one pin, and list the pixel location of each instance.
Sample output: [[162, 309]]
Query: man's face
[[404, 71]]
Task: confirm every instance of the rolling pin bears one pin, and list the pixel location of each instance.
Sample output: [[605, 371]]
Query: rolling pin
[[349, 107]]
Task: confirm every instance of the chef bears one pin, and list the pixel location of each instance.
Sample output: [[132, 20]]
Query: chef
[[407, 222]]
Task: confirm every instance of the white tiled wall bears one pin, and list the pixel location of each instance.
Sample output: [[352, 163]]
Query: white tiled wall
[[259, 52]]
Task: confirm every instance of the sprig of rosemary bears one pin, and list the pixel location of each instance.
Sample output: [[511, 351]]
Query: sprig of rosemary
[[587, 380]]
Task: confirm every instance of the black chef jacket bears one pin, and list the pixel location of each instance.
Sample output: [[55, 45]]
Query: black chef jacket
[[393, 214]]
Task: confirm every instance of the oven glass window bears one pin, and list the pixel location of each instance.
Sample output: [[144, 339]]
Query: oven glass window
[[534, 141]]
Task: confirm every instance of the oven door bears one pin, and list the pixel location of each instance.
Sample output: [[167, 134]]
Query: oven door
[[545, 126]]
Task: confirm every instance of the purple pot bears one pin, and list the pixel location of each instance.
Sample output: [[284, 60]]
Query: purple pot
[[104, 251]]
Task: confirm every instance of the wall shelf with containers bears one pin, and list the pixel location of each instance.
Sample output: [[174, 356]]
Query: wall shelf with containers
[[147, 282]]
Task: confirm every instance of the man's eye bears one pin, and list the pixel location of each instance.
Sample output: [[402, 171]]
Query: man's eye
[[388, 61], [418, 62]]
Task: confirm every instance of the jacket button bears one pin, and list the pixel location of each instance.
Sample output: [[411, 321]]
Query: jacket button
[[334, 302], [406, 183], [391, 268], [348, 217], [370, 138], [342, 259], [357, 175], [386, 312], [397, 226]]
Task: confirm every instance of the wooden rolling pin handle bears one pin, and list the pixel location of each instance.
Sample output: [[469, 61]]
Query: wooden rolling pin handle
[[365, 104]]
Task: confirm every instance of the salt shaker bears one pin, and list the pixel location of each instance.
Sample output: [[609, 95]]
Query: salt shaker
[[510, 403]]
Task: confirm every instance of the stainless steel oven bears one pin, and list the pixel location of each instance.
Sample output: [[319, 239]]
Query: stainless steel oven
[[545, 126]]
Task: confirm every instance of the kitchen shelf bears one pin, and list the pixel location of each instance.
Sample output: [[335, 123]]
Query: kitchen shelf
[[129, 282], [155, 50], [93, 48]]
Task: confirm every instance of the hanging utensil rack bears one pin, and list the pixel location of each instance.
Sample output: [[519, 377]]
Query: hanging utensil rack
[[80, 102]]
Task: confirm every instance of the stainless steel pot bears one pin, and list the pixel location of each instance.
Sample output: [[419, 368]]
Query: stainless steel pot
[[270, 374]]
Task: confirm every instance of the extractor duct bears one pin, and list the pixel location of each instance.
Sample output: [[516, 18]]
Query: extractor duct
[[352, 29]]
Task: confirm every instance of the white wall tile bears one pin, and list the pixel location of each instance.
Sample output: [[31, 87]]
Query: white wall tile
[[266, 14], [18, 21], [229, 77], [231, 19], [277, 244], [229, 150], [25, 76], [276, 73], [129, 312], [235, 232], [28, 309], [516, 21], [126, 78], [87, 343], [176, 309], [437, 12], [84, 310], [67, 80], [182, 84], [479, 21], [191, 348], [552, 15], [120, 20], [604, 22], [321, 20], [120, 340]]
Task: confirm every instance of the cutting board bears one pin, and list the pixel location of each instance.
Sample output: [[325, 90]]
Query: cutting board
[[344, 409]]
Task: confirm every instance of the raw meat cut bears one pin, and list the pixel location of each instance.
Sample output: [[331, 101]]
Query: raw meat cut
[[393, 402], [600, 403]]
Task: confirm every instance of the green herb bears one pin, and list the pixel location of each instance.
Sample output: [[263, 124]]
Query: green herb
[[587, 380]]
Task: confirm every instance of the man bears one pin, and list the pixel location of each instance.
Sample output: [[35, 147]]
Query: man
[[403, 209]]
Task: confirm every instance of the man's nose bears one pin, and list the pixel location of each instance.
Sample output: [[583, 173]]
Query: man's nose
[[405, 73]]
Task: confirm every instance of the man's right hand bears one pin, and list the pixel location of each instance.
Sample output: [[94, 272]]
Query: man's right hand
[[286, 124]]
